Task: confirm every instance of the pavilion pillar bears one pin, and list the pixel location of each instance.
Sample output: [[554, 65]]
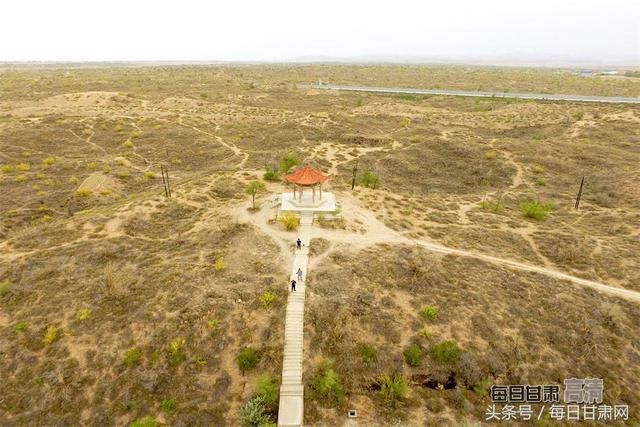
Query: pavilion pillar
[[320, 191], [313, 197]]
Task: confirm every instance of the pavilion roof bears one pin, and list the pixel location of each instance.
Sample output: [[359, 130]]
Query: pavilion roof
[[306, 175]]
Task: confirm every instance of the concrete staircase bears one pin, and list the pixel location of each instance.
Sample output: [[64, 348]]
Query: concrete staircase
[[291, 409]]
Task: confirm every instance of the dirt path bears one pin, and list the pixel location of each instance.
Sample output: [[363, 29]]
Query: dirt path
[[236, 150], [377, 232]]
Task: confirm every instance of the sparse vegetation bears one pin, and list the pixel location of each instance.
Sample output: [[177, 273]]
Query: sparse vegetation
[[370, 179], [290, 221], [267, 299], [430, 312], [413, 355], [445, 352], [288, 161], [248, 359], [50, 335], [535, 209], [393, 389], [219, 264], [83, 314], [271, 174], [328, 386], [132, 357]]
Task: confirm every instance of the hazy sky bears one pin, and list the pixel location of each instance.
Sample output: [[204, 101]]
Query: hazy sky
[[602, 31]]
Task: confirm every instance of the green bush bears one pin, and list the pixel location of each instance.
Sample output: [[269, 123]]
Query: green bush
[[393, 389], [132, 357], [267, 386], [430, 312], [288, 161], [20, 327], [147, 421], [369, 354], [168, 405], [248, 359], [495, 206], [482, 387], [327, 385], [267, 299], [176, 350], [445, 352], [370, 179], [536, 210], [254, 413], [4, 287], [271, 175], [290, 221], [413, 355]]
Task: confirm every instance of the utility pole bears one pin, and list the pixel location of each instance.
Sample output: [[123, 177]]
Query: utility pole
[[165, 180], [355, 172], [579, 193]]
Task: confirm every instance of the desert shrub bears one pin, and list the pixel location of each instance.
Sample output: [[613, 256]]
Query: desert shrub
[[248, 359], [482, 387], [290, 221], [328, 386], [7, 168], [176, 350], [445, 352], [83, 314], [73, 180], [20, 327], [535, 209], [288, 161], [132, 357], [537, 169], [23, 167], [267, 299], [268, 388], [50, 335], [114, 280], [370, 179], [4, 287], [490, 154], [147, 421], [20, 178], [393, 389], [148, 175], [271, 175], [495, 206], [413, 355], [168, 405], [49, 161], [83, 192], [91, 165], [128, 143], [369, 354], [430, 312], [254, 413], [219, 265]]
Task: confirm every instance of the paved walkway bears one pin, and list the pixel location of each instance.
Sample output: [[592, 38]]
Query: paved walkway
[[291, 410]]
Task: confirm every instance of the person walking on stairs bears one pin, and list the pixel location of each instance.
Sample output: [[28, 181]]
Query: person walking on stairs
[[293, 285], [299, 273], [299, 243]]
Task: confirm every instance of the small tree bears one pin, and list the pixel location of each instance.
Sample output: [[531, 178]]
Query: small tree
[[413, 355], [370, 179], [253, 188]]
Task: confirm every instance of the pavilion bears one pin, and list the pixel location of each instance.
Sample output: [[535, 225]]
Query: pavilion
[[306, 177]]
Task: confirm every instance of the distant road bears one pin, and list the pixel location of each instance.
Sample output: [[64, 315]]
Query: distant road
[[520, 95]]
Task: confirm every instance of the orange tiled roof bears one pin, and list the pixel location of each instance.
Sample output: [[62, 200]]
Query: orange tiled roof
[[306, 175]]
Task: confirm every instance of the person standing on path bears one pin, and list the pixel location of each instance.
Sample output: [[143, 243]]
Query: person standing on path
[[299, 273], [299, 243], [293, 285]]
